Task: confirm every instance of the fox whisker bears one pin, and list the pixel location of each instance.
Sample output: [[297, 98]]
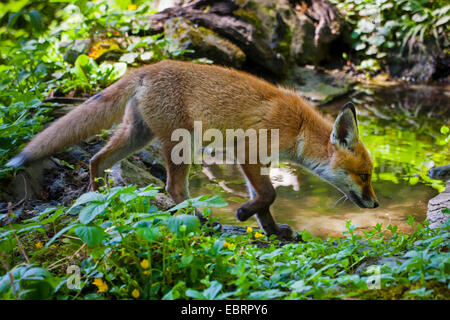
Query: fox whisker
[[337, 201]]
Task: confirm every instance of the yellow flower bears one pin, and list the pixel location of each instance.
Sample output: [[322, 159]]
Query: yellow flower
[[132, 6], [249, 229], [135, 293], [101, 285], [146, 272], [38, 245], [145, 264], [230, 246], [258, 235]]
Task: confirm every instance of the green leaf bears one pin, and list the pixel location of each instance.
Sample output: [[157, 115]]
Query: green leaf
[[84, 65], [191, 223], [299, 286], [120, 68], [13, 18], [149, 233], [91, 235], [365, 26], [91, 211], [413, 180], [442, 21], [89, 197], [129, 57], [213, 290], [195, 294], [60, 232], [202, 201], [36, 20], [218, 245], [266, 294]]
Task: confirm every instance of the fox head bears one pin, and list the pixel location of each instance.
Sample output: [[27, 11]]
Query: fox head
[[350, 167]]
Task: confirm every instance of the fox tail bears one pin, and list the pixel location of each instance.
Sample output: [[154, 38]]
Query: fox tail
[[99, 112]]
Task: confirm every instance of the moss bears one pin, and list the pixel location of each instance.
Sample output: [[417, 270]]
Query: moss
[[284, 45], [44, 257], [251, 17], [205, 42], [400, 292], [231, 48]]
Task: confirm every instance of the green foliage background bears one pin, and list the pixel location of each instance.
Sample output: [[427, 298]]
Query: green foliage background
[[125, 247]]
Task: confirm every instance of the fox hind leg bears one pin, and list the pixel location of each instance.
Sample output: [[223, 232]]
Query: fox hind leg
[[177, 185], [132, 135]]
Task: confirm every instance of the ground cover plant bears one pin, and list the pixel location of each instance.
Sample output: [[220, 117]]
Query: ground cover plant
[[386, 31], [116, 244]]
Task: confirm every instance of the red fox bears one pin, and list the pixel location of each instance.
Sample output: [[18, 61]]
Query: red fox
[[154, 100]]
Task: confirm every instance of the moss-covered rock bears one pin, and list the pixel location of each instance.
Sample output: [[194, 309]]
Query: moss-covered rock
[[287, 30], [318, 86], [125, 173], [204, 43]]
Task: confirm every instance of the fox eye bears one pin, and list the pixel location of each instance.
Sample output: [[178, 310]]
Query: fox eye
[[364, 177]]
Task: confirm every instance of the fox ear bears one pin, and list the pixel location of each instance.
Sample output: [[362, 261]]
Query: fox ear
[[345, 130]]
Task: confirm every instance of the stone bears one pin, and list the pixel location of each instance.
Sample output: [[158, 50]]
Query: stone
[[125, 173], [391, 262], [435, 216], [27, 183], [288, 30], [318, 86], [204, 42], [163, 202]]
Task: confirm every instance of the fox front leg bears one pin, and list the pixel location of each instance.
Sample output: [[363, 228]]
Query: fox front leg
[[262, 196]]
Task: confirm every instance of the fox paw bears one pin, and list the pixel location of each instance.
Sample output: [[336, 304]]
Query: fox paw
[[242, 214], [285, 232]]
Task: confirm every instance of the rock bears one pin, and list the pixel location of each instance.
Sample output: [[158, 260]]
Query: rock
[[125, 173], [231, 230], [423, 66], [435, 206], [290, 30], [152, 159], [440, 173], [79, 154], [163, 202], [391, 262], [273, 35], [318, 86], [27, 184], [204, 42]]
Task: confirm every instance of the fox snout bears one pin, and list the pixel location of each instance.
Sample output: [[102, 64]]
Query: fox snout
[[363, 202]]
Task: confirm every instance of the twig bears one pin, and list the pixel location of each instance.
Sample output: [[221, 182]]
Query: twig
[[55, 264], [70, 237], [19, 246]]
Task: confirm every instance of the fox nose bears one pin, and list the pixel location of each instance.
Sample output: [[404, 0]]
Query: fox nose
[[376, 204]]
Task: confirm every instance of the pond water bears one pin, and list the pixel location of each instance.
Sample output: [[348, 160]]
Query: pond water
[[400, 126]]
